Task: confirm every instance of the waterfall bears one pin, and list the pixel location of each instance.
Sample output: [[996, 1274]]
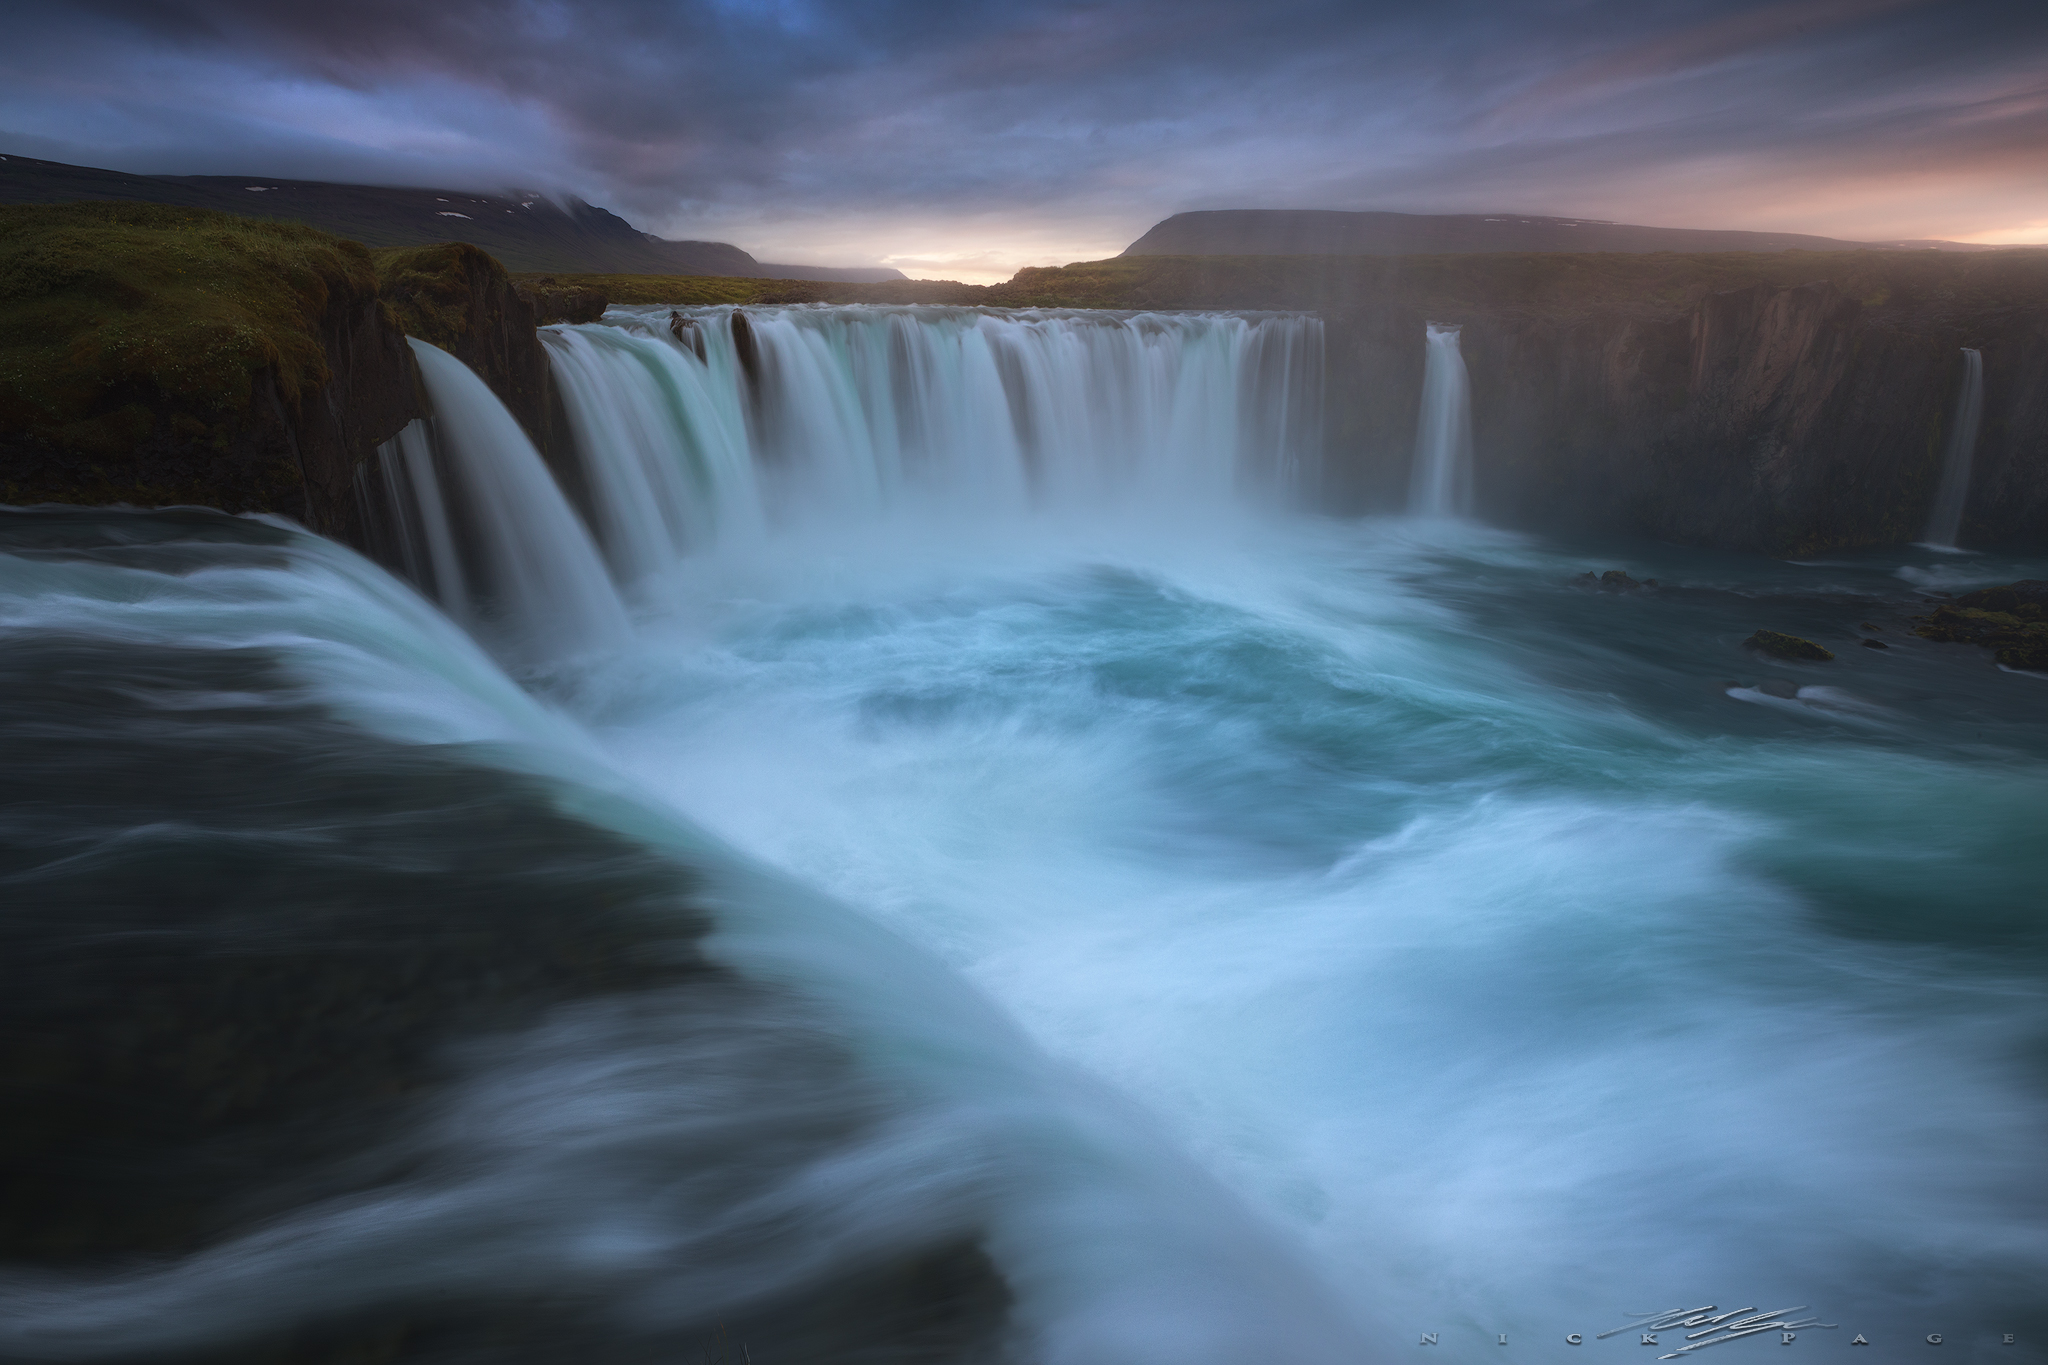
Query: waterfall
[[481, 526], [1441, 485], [1947, 517], [712, 426]]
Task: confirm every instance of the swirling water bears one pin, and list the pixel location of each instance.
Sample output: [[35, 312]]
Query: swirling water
[[1268, 937]]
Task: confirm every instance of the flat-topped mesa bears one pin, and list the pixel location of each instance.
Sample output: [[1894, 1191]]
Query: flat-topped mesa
[[528, 230], [1330, 232]]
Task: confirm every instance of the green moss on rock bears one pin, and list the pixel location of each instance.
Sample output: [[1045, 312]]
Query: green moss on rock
[[2012, 621], [119, 319], [554, 301], [1782, 646], [430, 290], [155, 355]]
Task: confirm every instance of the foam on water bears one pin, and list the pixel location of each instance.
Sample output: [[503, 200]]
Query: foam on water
[[1496, 996], [1276, 937]]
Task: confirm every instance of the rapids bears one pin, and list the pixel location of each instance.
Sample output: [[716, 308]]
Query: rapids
[[1263, 936]]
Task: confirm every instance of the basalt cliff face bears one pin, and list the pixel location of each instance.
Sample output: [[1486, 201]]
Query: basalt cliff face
[[156, 356], [460, 299], [1785, 402], [1781, 417]]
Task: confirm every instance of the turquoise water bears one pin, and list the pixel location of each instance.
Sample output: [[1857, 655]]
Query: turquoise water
[[1157, 927], [1496, 942]]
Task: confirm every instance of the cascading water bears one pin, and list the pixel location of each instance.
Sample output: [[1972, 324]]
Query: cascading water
[[483, 526], [1441, 484], [1946, 520], [854, 410], [1243, 936]]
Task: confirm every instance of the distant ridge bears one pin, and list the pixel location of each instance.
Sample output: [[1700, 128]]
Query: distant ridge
[[832, 274], [1328, 232], [527, 231]]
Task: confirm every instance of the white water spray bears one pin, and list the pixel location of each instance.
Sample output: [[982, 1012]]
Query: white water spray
[[1946, 520], [1441, 485]]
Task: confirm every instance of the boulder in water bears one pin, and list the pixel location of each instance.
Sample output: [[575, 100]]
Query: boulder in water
[[686, 331], [2026, 599], [1614, 580], [2012, 621], [1781, 646]]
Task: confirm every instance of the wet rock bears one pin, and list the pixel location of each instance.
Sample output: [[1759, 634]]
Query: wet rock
[[1865, 625], [1779, 687], [2012, 621], [686, 331], [2030, 652], [747, 349], [1874, 644], [1781, 646], [2026, 599], [1614, 580]]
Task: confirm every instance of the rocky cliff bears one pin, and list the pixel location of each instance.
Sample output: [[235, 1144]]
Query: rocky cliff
[[155, 355], [1785, 402], [1327, 232], [1776, 416]]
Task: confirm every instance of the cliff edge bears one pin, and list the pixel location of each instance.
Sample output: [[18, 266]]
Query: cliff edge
[[156, 355]]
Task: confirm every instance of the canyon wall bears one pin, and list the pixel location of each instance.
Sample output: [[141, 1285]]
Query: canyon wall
[[1785, 402], [1778, 418], [154, 356]]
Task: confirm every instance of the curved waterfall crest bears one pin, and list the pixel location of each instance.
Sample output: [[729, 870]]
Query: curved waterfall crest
[[1945, 522], [709, 425], [855, 407], [1441, 483]]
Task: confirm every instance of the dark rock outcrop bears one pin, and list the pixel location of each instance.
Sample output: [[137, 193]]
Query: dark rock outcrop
[[155, 356], [2012, 620], [556, 302], [1781, 646], [1614, 580], [458, 298]]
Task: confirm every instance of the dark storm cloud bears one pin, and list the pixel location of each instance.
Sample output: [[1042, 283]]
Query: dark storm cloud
[[746, 112]]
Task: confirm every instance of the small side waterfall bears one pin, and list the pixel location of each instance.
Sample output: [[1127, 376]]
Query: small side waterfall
[[1441, 484], [481, 526], [1946, 520]]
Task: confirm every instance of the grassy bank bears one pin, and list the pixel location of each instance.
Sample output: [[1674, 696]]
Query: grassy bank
[[123, 322]]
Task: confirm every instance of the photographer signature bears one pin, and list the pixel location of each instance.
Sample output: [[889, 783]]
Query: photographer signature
[[1714, 1327]]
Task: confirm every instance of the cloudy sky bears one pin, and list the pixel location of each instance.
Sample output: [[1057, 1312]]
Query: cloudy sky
[[962, 139]]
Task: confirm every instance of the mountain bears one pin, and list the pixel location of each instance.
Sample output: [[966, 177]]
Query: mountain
[[1326, 232], [848, 274], [527, 231]]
